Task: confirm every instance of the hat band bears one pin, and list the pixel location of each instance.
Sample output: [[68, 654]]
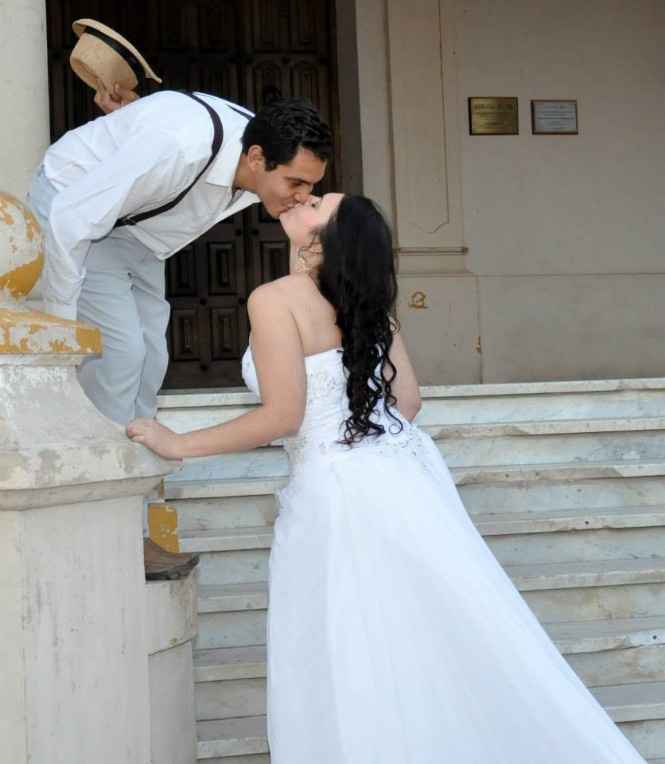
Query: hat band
[[131, 61]]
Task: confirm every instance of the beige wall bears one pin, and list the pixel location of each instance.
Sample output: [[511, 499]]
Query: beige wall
[[591, 203], [24, 127], [565, 235]]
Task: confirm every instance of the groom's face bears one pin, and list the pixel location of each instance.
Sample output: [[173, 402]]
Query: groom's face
[[289, 184]]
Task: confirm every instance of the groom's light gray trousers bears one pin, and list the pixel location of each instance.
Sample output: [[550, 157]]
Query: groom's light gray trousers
[[122, 295]]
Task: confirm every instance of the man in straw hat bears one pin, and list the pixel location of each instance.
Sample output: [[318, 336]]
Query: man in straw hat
[[123, 192], [120, 194]]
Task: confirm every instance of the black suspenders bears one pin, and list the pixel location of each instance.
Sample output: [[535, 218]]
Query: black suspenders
[[218, 137]]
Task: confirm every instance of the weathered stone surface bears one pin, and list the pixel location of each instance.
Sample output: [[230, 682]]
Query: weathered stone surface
[[21, 247], [232, 737], [172, 614], [28, 332], [55, 445], [230, 663]]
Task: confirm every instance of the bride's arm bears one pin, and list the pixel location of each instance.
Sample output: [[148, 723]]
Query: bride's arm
[[405, 385], [280, 366]]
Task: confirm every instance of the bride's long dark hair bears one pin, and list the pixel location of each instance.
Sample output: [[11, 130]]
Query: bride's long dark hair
[[357, 276]]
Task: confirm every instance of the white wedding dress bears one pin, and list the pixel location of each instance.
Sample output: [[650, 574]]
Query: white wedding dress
[[394, 636]]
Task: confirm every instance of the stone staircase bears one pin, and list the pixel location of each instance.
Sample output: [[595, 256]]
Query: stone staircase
[[566, 482]]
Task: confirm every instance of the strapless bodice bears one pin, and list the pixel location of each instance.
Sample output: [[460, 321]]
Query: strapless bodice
[[326, 410]]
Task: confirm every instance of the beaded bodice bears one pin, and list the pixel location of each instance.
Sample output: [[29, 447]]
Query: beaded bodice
[[326, 410]]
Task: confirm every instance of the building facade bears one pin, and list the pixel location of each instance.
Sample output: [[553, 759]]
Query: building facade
[[521, 257]]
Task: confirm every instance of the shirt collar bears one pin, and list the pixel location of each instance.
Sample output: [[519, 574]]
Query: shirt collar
[[223, 169]]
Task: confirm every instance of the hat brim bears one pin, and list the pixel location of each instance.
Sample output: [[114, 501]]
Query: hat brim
[[79, 28], [95, 62]]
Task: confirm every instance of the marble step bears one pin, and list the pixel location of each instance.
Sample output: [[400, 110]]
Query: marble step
[[233, 615], [492, 430], [592, 492], [572, 638], [231, 682], [232, 737], [585, 591], [530, 427], [470, 451], [639, 710], [454, 404], [229, 663], [234, 555], [633, 702], [557, 471], [230, 699], [573, 535], [467, 451], [489, 524], [259, 758], [207, 504], [615, 651], [572, 519]]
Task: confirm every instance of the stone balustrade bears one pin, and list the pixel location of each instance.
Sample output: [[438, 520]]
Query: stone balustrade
[[95, 665]]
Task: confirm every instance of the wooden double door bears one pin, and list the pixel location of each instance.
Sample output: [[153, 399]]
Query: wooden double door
[[249, 51]]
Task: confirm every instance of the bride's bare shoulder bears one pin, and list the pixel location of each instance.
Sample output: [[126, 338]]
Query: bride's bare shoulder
[[285, 288]]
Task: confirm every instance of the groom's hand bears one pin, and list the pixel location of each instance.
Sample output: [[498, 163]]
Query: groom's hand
[[109, 101]]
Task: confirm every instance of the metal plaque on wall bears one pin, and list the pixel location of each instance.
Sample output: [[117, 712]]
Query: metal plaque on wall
[[493, 116], [554, 117]]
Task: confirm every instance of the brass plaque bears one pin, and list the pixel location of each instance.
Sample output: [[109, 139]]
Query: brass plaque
[[493, 116]]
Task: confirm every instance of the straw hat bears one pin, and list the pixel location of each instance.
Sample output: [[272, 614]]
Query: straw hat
[[102, 54]]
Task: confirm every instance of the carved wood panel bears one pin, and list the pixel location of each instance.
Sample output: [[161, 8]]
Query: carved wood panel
[[249, 51]]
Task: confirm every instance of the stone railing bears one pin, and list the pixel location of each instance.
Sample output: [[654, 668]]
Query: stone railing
[[95, 665]]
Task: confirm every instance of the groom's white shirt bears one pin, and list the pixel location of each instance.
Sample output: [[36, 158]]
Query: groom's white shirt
[[134, 160]]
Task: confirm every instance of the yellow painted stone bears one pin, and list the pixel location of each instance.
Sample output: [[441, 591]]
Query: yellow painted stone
[[29, 332], [163, 526], [21, 247]]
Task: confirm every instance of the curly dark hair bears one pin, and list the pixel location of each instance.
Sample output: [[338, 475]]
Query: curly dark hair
[[357, 276], [283, 126]]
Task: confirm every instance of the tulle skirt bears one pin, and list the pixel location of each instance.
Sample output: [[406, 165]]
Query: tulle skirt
[[394, 636]]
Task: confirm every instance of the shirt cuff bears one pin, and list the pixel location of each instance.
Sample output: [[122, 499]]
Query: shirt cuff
[[66, 310]]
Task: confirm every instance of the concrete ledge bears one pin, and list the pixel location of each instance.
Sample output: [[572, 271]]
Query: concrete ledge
[[171, 627], [172, 717], [172, 616]]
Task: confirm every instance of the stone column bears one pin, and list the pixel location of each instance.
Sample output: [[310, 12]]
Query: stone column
[[24, 125], [74, 684], [410, 123]]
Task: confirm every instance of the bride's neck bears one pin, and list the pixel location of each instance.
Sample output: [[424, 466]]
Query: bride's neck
[[293, 255]]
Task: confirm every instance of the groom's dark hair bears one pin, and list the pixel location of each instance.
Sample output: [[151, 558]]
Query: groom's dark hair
[[285, 125]]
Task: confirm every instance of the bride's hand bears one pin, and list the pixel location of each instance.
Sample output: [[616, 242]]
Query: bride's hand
[[155, 436]]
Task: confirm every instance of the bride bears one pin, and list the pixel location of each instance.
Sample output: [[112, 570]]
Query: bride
[[394, 636]]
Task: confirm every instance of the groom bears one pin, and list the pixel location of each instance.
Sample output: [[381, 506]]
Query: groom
[[120, 194]]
